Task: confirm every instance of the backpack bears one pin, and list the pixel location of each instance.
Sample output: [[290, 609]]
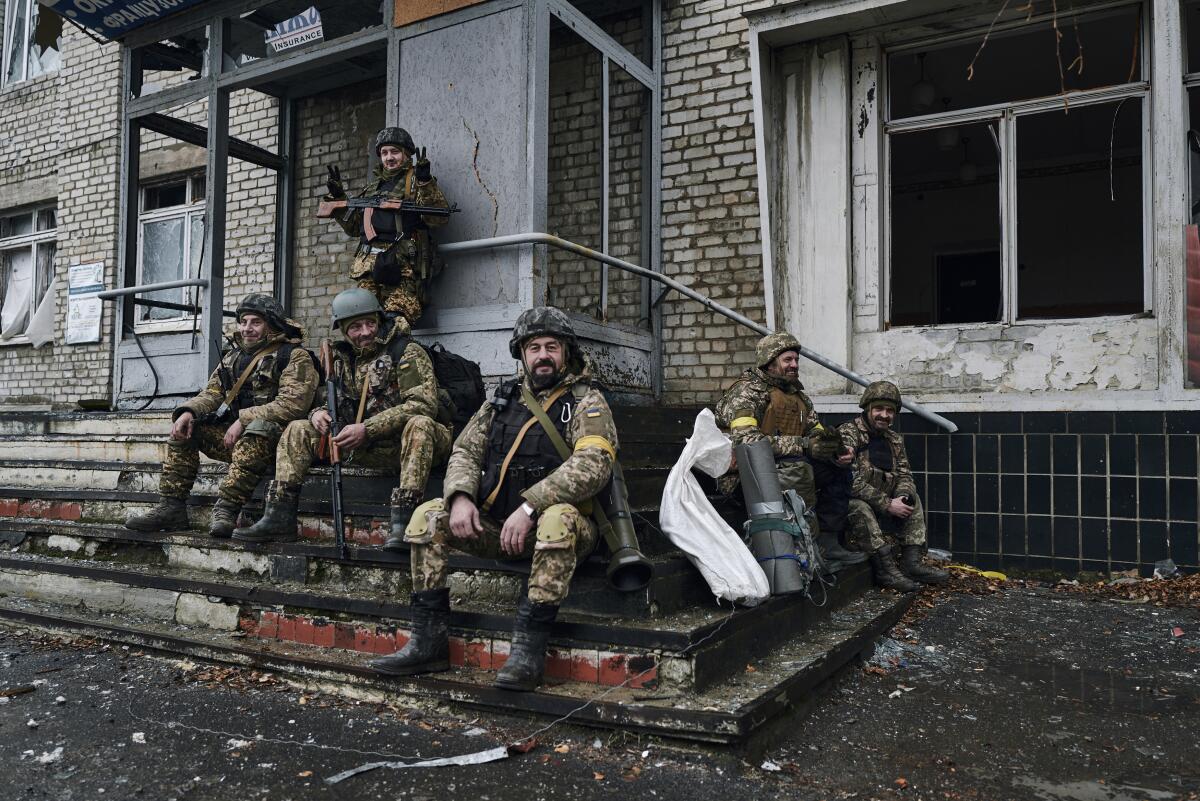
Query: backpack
[[460, 382]]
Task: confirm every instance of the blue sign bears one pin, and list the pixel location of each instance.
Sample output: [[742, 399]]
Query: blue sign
[[115, 18]]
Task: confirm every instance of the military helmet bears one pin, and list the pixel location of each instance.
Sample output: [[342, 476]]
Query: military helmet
[[880, 392], [270, 310], [772, 345], [541, 321], [353, 303], [394, 136]]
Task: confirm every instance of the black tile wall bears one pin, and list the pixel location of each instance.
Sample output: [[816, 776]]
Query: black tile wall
[[1067, 490]]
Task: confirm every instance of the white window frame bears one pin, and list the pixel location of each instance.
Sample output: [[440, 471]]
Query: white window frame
[[191, 209], [30, 241], [1006, 115], [32, 9]]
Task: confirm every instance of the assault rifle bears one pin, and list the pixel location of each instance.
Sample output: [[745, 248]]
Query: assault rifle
[[332, 451], [328, 207]]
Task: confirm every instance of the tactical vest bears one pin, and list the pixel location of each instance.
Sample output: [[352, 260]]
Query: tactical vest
[[348, 395], [786, 414], [263, 384], [879, 451], [535, 458]]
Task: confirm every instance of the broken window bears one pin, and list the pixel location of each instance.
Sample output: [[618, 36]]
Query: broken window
[[27, 245], [1006, 204], [170, 243], [285, 26], [31, 40]]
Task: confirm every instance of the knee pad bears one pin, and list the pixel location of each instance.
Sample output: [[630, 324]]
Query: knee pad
[[554, 527], [423, 522]]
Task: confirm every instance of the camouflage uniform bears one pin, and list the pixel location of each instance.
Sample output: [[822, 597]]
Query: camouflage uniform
[[403, 291], [563, 534], [403, 434], [874, 488], [267, 403]]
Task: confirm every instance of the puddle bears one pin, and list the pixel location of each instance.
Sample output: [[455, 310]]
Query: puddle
[[1091, 791], [1102, 689]]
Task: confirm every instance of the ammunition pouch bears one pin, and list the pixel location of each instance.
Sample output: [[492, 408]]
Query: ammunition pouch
[[264, 428], [395, 264]]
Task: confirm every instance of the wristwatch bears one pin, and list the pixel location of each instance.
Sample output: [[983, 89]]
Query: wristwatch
[[529, 510]]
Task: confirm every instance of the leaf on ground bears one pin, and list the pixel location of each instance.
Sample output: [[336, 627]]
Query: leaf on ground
[[598, 776]]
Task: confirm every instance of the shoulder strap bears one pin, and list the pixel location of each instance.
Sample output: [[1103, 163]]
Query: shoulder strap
[[232, 394], [536, 408]]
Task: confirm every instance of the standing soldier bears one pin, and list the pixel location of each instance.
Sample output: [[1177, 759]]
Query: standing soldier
[[394, 258], [509, 494], [769, 402], [885, 498], [266, 381], [388, 398]]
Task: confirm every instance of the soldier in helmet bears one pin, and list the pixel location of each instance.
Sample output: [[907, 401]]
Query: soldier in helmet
[[389, 411], [885, 500], [266, 381], [509, 494], [394, 255], [769, 401]]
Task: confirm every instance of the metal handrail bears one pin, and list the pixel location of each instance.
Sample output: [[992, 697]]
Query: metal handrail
[[109, 294], [563, 244]]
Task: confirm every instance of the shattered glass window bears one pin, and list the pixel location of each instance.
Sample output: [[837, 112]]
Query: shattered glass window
[[27, 248], [171, 244], [31, 40]]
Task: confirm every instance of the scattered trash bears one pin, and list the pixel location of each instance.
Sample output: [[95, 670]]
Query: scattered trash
[[768, 765], [562, 749], [477, 758], [901, 782], [139, 737], [597, 744], [60, 700], [1165, 568], [475, 732], [1124, 580], [939, 555], [1177, 631], [233, 743], [990, 574], [894, 694], [304, 774], [51, 757], [31, 723], [8, 692]]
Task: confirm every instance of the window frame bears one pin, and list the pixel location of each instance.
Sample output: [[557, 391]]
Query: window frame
[[31, 7], [31, 241], [191, 208], [1006, 115]]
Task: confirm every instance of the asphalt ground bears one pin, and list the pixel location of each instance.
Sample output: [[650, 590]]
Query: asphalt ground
[[998, 693]]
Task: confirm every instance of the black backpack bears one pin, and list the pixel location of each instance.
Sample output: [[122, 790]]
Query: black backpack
[[460, 379]]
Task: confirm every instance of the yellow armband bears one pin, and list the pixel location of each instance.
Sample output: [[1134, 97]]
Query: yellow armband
[[742, 422], [595, 441]]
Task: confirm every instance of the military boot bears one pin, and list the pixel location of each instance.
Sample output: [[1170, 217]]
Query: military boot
[[223, 520], [169, 514], [428, 647], [403, 503], [887, 572], [278, 523], [910, 562], [527, 658], [836, 557]]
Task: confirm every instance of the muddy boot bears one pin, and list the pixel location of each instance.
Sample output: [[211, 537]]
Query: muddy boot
[[835, 556], [403, 504], [527, 658], [278, 523], [887, 572], [170, 514], [428, 647], [910, 562], [223, 520]]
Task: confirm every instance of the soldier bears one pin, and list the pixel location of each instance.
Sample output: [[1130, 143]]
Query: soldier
[[388, 398], [394, 255], [266, 381], [884, 496], [510, 495], [769, 401]]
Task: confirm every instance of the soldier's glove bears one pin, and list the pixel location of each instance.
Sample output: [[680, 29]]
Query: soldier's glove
[[334, 183], [421, 168], [824, 445]]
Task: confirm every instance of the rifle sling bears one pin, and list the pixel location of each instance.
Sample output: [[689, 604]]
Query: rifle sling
[[564, 450], [232, 394], [512, 451]]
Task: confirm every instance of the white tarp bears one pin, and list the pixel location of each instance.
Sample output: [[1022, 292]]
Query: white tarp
[[694, 526]]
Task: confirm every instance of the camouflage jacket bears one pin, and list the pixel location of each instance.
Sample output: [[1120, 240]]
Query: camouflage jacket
[[746, 402], [875, 486], [397, 388], [276, 400], [576, 480], [404, 188]]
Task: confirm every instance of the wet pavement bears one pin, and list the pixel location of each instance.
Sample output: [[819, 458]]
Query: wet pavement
[[1014, 694]]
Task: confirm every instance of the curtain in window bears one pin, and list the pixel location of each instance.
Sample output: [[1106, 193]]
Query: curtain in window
[[18, 291]]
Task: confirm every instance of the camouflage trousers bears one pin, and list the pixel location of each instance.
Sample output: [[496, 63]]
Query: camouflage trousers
[[868, 534], [248, 462], [403, 298], [423, 443], [562, 536]]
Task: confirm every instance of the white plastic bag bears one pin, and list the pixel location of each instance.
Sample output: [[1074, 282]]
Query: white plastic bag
[[695, 527]]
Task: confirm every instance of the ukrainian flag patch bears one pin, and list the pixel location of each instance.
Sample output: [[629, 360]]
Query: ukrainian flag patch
[[595, 412]]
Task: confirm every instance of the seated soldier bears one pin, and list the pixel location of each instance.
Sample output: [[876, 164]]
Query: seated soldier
[[885, 500], [768, 401], [388, 404], [266, 381], [505, 479]]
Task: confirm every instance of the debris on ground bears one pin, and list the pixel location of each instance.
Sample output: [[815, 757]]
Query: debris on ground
[[1177, 591], [961, 582]]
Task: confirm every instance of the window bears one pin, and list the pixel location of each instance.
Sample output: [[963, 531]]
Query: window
[[31, 34], [1016, 187], [170, 243], [26, 267]]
